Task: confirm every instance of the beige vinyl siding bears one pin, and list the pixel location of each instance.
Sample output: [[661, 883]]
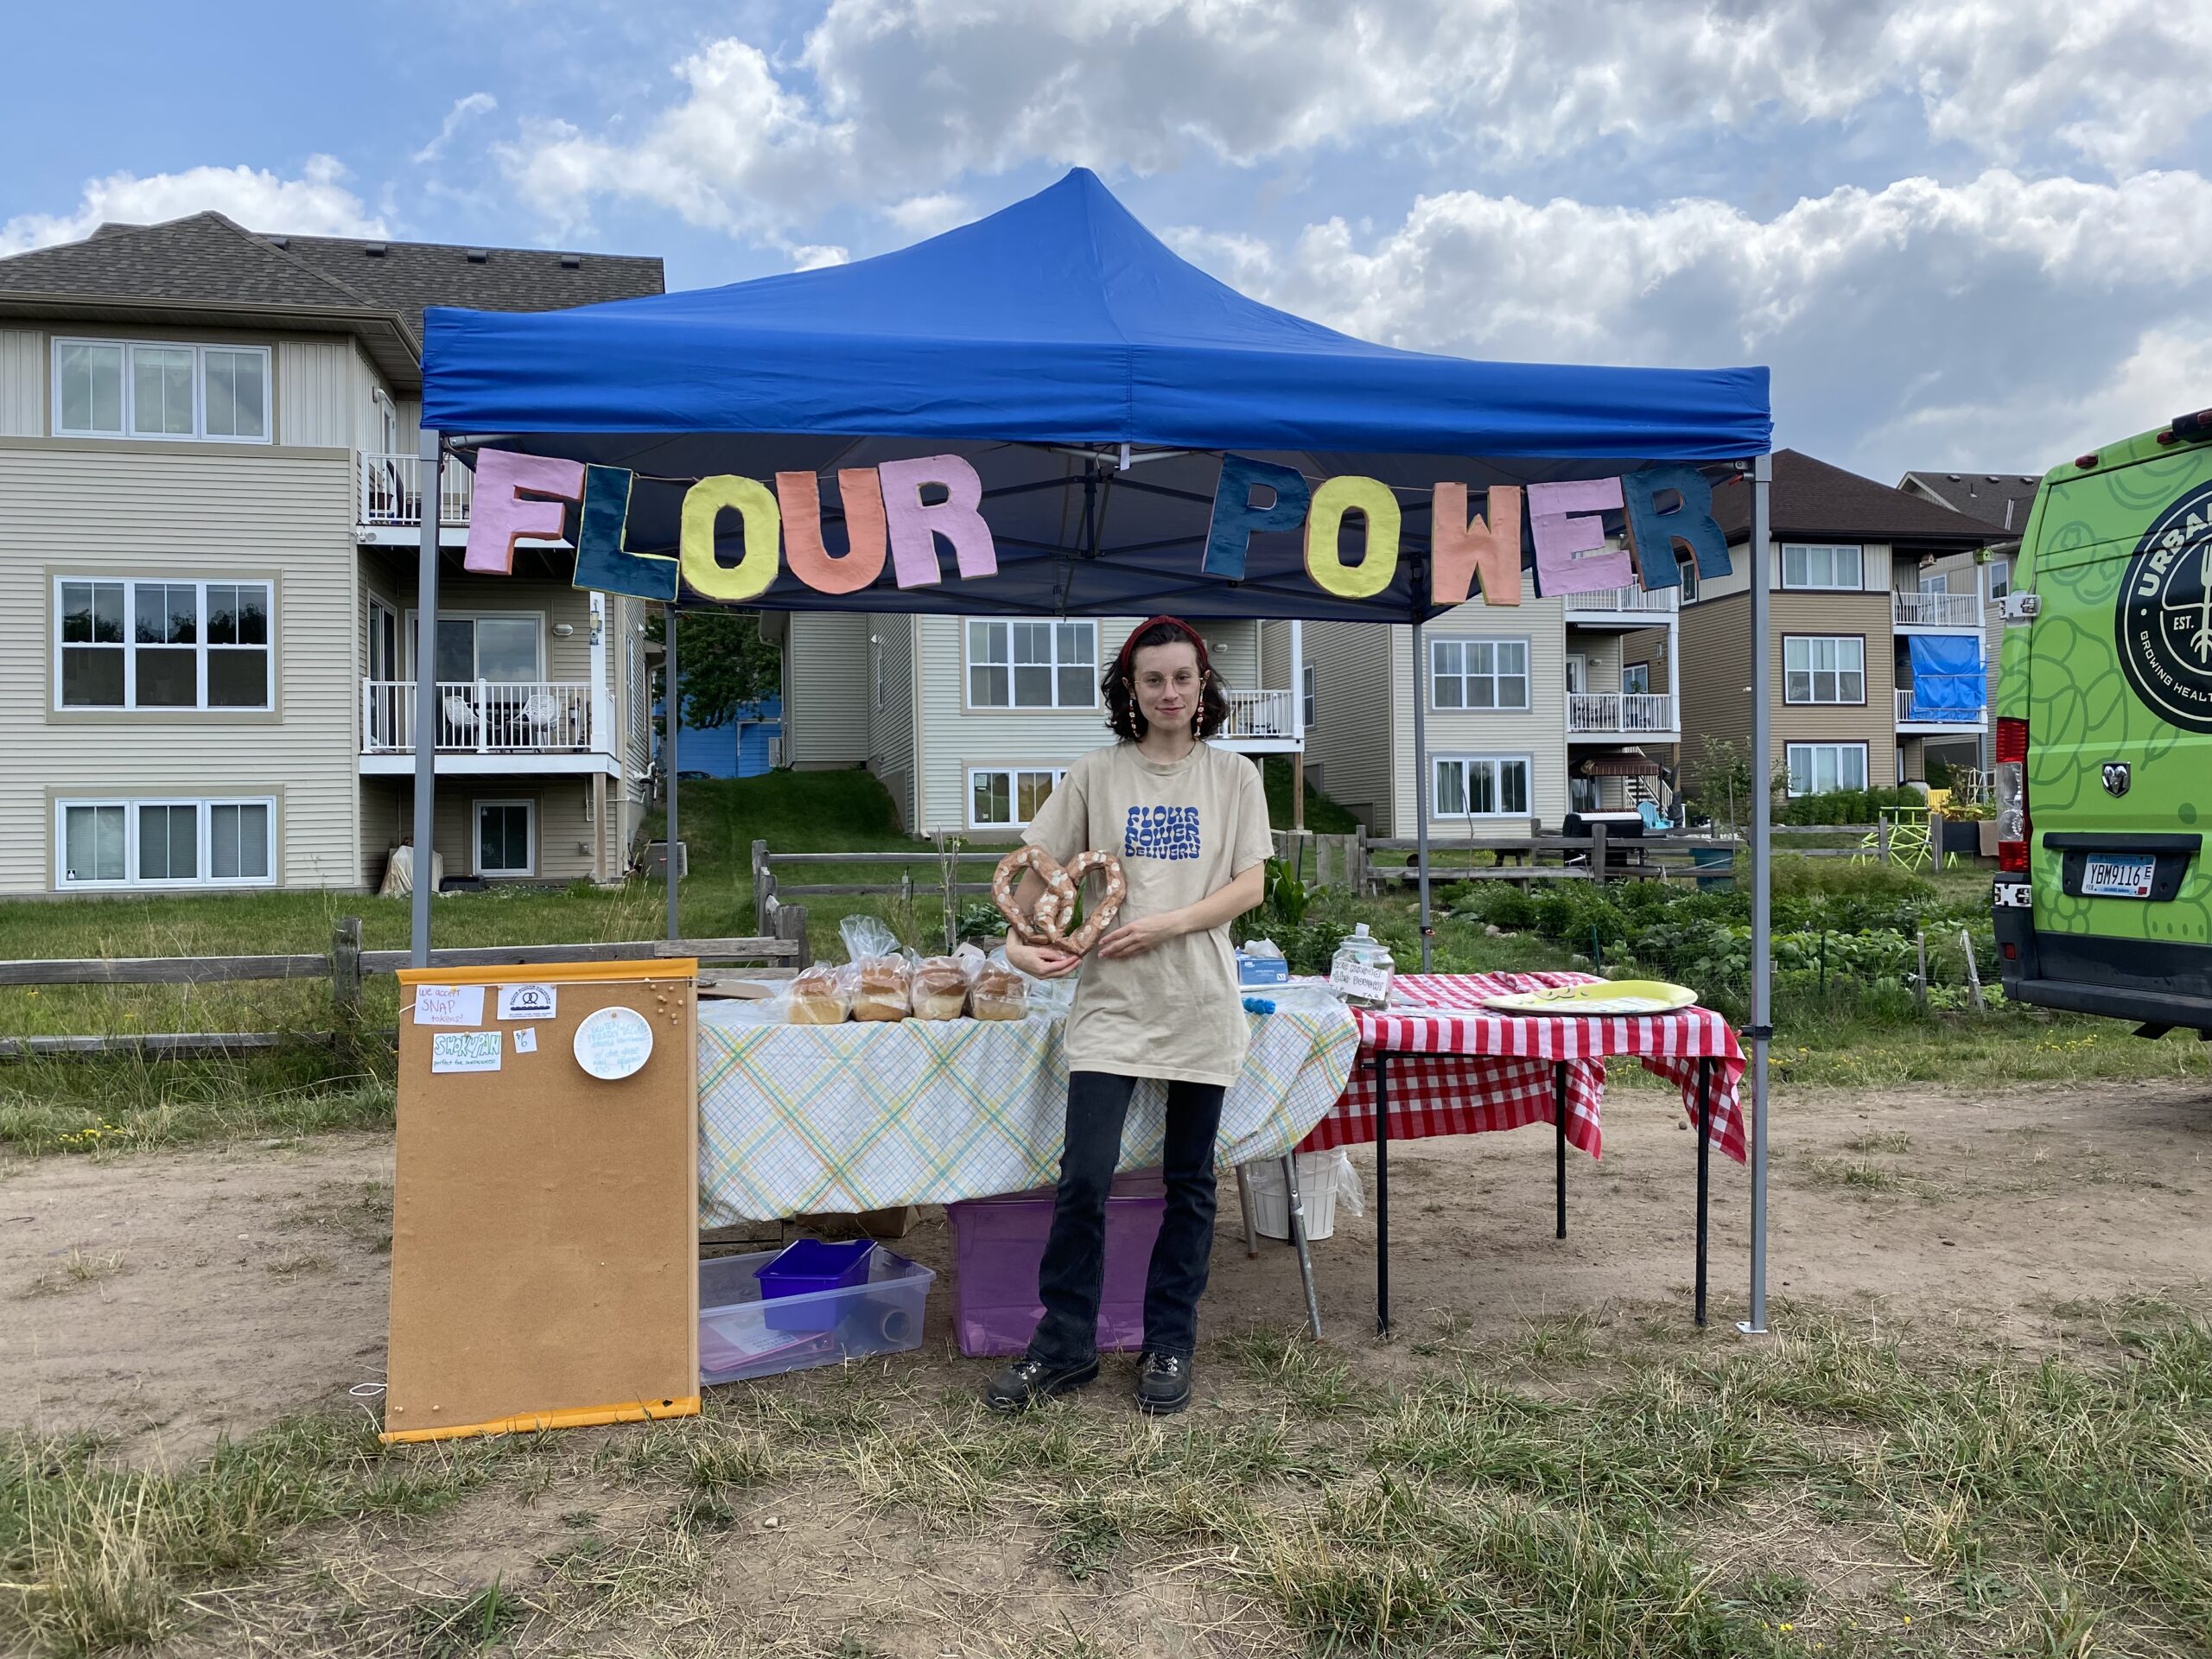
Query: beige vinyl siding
[[1234, 650], [1874, 571], [825, 696], [1874, 724], [1274, 656], [1602, 651], [1716, 650], [316, 392], [890, 709], [633, 737], [22, 383], [955, 737], [1539, 734], [1653, 646], [562, 822], [202, 512], [1351, 663]]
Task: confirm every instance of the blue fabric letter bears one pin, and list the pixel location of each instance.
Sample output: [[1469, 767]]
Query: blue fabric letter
[[1652, 534], [603, 563], [1234, 518]]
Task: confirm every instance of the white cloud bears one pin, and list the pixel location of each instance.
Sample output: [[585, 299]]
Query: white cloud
[[819, 256], [1918, 320], [888, 99], [920, 216], [315, 204], [464, 110]]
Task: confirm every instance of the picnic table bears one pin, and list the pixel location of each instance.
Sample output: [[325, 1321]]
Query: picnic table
[[1460, 1069]]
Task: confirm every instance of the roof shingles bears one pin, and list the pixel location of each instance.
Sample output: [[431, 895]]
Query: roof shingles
[[1812, 500]]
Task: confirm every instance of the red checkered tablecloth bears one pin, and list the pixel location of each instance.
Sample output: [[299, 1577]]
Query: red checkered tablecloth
[[1458, 1069]]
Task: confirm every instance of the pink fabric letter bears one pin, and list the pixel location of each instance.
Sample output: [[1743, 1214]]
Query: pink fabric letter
[[913, 553], [1563, 519], [1465, 548], [499, 514]]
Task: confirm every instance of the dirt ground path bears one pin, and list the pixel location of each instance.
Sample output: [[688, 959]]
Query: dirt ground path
[[166, 1297]]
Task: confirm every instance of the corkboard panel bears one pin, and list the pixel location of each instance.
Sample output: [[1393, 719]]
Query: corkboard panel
[[544, 1247]]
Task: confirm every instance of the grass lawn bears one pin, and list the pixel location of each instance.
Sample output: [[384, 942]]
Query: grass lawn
[[80, 1105], [1603, 1484]]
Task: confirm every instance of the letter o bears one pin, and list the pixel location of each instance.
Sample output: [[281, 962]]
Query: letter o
[[704, 502], [1334, 497]]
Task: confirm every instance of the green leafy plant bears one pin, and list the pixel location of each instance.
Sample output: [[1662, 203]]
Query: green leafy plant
[[1288, 898]]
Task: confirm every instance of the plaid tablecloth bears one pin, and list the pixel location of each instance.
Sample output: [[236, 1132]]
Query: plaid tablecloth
[[839, 1119], [1457, 1068]]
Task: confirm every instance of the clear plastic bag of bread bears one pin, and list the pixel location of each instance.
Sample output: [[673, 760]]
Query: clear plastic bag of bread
[[942, 983], [883, 972], [1001, 990], [820, 995]]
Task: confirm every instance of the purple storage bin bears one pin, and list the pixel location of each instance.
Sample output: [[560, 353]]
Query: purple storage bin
[[803, 1267], [997, 1244]]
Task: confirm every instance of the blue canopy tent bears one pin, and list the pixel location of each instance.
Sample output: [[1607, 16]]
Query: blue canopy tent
[[1095, 381]]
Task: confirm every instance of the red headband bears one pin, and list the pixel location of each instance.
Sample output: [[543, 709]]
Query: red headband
[[1129, 644]]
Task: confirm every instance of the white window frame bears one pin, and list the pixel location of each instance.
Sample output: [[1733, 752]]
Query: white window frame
[[1003, 627], [128, 432], [1791, 751], [1466, 676], [412, 622], [879, 681], [1688, 568], [1309, 693], [203, 844], [1628, 669], [476, 836], [1835, 550], [1496, 763], [130, 647], [1811, 670], [1013, 774], [2000, 578]]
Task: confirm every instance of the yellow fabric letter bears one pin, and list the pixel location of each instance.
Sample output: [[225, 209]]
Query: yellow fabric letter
[[1462, 548], [704, 502], [1371, 498]]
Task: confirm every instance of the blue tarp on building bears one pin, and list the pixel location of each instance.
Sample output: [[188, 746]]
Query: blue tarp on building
[[1947, 676]]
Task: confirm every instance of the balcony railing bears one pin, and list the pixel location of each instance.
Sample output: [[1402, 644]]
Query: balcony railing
[[479, 717], [1620, 711], [1932, 716], [391, 491], [1261, 716], [1626, 599], [1936, 610]]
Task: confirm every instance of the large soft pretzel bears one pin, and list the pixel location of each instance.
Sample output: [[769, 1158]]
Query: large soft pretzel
[[1101, 915], [1048, 921], [1055, 906]]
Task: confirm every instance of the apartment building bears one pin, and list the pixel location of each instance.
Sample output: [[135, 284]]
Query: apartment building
[[970, 721], [210, 508], [1533, 711], [1878, 636], [2004, 500]]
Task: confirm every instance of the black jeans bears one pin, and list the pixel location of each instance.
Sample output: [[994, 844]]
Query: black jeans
[[1070, 1277]]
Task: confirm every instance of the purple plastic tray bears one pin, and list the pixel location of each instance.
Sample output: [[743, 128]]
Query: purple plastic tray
[[997, 1244]]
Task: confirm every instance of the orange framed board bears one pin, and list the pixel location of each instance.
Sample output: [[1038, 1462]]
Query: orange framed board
[[544, 1242]]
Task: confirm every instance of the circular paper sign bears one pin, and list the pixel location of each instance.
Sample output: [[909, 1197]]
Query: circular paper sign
[[614, 1043]]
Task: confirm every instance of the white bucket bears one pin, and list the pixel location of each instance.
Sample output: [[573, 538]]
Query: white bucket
[[1323, 1176]]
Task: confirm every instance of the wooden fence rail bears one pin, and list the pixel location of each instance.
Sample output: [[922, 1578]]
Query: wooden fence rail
[[346, 966]]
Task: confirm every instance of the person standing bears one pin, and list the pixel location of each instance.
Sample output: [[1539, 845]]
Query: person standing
[[1157, 998]]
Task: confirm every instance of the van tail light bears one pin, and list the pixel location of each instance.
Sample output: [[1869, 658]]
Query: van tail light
[[2012, 824]]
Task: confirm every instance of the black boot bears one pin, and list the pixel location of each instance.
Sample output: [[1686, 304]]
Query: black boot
[[1028, 1381], [1164, 1384]]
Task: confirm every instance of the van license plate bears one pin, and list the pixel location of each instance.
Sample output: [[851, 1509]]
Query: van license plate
[[2119, 878]]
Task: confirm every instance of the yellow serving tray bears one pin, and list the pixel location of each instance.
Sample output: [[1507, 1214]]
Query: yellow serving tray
[[1602, 997]]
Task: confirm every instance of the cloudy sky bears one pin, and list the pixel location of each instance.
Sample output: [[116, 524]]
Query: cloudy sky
[[1964, 233]]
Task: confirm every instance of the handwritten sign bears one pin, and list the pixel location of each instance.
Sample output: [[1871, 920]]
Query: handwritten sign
[[528, 1001], [466, 1051], [614, 1043], [526, 1040], [448, 1004]]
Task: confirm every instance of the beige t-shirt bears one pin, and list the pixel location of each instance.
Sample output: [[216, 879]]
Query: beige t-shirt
[[1182, 832]]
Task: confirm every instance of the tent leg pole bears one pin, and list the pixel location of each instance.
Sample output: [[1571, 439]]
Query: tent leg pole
[[429, 484], [1421, 796], [670, 721], [1763, 651]]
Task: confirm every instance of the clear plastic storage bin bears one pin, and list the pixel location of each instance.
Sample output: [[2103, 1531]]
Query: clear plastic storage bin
[[741, 1336]]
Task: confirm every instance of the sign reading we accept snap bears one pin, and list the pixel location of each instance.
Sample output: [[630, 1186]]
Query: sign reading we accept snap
[[1668, 510]]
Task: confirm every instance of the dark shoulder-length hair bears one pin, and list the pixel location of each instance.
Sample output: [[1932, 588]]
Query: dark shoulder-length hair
[[1123, 717]]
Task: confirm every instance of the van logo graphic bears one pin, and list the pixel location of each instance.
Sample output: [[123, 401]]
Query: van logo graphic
[[2117, 777], [2164, 619]]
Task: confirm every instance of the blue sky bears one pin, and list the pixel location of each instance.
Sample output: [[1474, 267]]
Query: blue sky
[[1958, 245]]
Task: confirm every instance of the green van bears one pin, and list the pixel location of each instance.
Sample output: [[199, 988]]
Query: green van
[[2103, 901]]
